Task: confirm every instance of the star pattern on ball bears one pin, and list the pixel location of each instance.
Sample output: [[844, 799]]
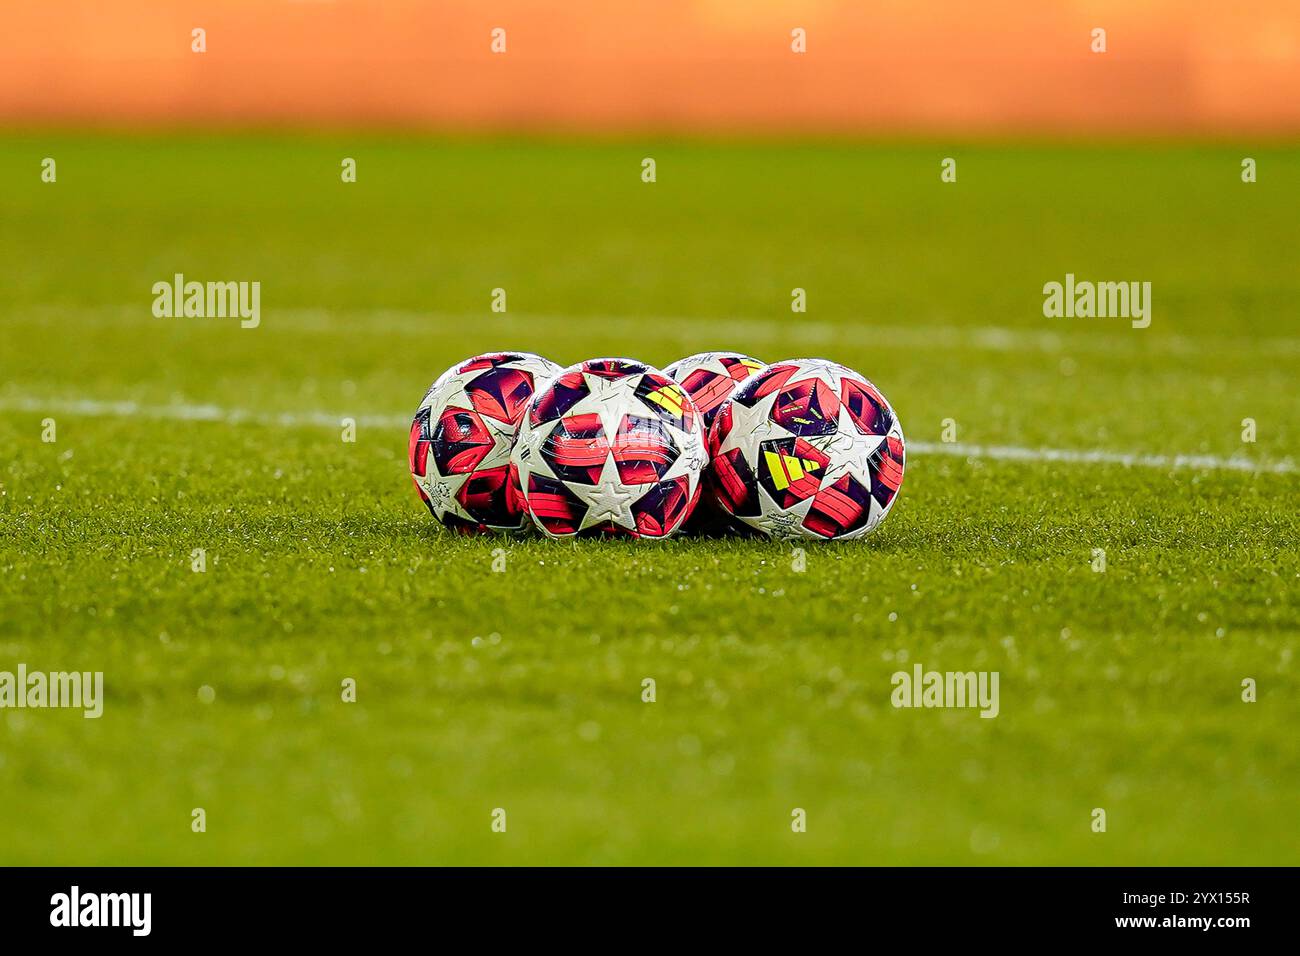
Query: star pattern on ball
[[829, 372], [442, 491], [778, 522], [635, 438], [609, 499], [750, 427], [503, 438], [849, 450], [605, 397]]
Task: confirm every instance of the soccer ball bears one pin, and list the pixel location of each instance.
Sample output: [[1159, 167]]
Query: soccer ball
[[610, 447], [463, 433], [710, 378], [807, 449]]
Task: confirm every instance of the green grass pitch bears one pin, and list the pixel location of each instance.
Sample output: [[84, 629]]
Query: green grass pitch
[[521, 690]]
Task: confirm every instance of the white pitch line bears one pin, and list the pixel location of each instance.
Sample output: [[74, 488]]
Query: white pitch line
[[1099, 456], [236, 416], [197, 413]]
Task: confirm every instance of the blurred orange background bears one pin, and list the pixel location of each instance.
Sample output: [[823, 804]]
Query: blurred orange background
[[879, 67]]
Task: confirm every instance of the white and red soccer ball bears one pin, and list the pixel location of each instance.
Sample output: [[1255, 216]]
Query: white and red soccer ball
[[807, 448], [610, 447], [462, 437], [710, 378]]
